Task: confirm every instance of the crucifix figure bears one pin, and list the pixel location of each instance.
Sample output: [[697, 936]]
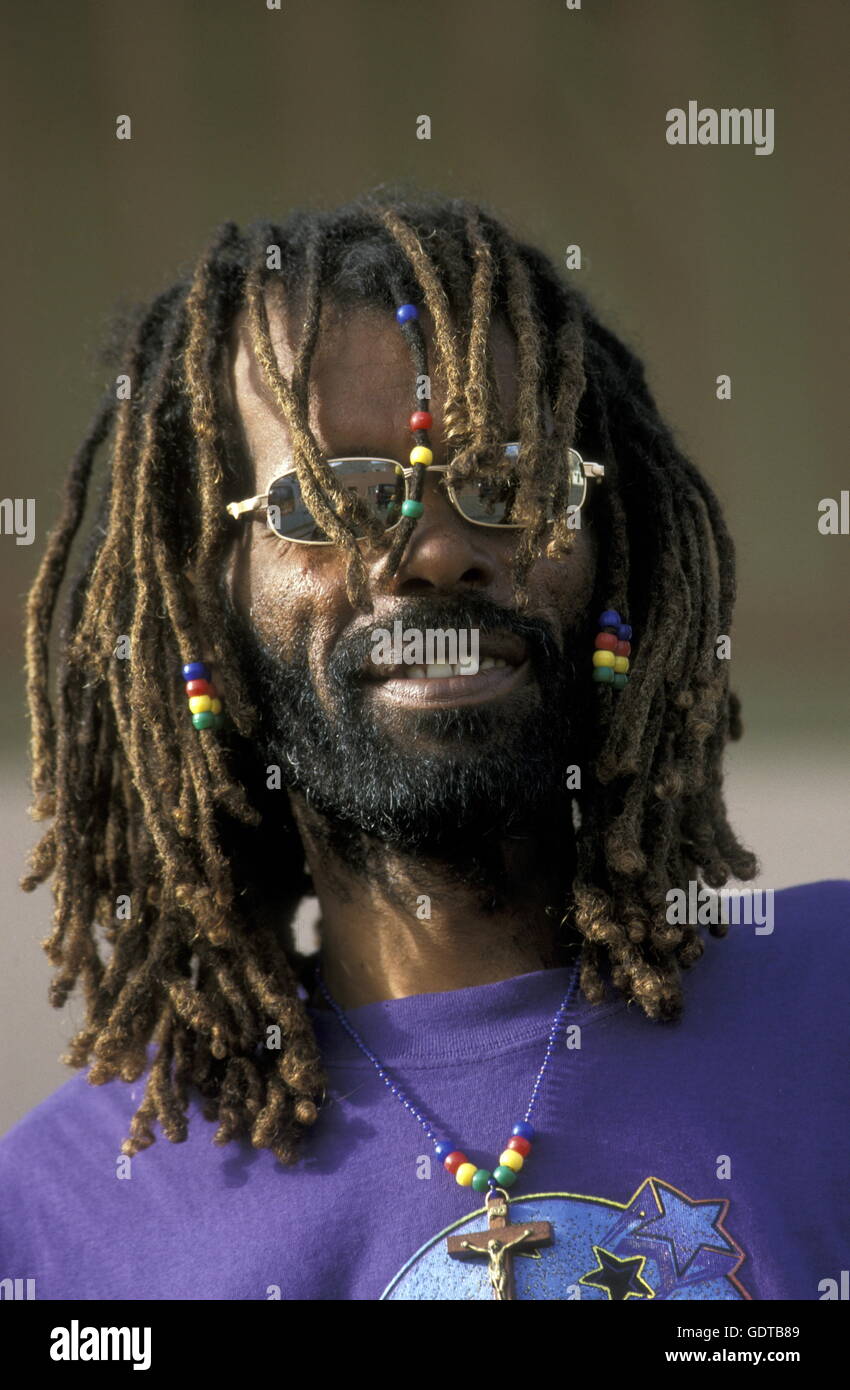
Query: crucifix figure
[[500, 1242]]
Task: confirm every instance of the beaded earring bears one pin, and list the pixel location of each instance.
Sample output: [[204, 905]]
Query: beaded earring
[[419, 423], [204, 703], [611, 657]]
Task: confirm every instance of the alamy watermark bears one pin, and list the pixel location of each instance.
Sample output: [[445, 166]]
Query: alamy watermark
[[749, 125], [703, 907], [17, 518], [428, 647]]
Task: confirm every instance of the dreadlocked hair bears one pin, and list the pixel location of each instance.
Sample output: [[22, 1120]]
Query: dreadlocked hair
[[190, 980]]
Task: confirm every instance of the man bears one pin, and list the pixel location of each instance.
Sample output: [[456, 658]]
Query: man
[[494, 1078]]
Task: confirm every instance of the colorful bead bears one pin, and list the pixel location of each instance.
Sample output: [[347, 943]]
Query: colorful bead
[[480, 1180], [505, 1177], [603, 674], [453, 1161], [215, 705], [199, 687], [509, 1158], [624, 632], [521, 1145], [610, 618], [604, 658], [420, 420], [442, 1149], [411, 508], [205, 720], [605, 642], [465, 1173], [620, 679], [196, 670], [524, 1130], [421, 455], [622, 649], [621, 663], [405, 312], [199, 703]]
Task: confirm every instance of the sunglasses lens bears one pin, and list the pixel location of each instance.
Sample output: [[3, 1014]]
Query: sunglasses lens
[[378, 483], [577, 490], [491, 498]]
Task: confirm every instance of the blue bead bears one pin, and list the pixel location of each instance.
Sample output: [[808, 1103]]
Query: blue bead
[[624, 632], [610, 618], [524, 1130], [196, 671], [405, 312], [443, 1149]]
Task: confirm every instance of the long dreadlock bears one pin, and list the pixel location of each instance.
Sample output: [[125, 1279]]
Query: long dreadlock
[[147, 812]]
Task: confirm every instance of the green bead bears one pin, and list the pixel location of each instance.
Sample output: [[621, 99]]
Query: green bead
[[604, 674], [411, 508], [620, 679], [505, 1177], [205, 720], [480, 1180]]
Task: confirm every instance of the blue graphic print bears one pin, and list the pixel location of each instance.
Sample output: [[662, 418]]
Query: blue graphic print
[[661, 1245]]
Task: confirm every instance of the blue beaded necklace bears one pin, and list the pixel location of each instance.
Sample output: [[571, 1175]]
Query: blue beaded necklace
[[454, 1160]]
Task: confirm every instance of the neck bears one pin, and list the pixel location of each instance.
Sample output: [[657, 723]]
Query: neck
[[395, 924]]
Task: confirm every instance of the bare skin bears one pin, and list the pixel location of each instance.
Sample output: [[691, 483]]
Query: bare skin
[[374, 947]]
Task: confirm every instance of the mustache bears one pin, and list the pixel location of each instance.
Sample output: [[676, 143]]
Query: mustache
[[353, 647]]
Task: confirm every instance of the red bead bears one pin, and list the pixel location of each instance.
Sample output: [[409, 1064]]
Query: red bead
[[420, 420], [200, 687], [605, 642], [519, 1145], [453, 1161], [622, 649]]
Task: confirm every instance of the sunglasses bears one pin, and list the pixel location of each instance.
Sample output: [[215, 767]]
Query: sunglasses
[[384, 484]]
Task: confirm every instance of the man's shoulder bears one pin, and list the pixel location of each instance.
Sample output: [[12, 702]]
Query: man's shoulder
[[784, 960], [794, 920], [68, 1120]]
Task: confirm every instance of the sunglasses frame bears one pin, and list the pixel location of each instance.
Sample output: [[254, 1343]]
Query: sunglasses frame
[[251, 505]]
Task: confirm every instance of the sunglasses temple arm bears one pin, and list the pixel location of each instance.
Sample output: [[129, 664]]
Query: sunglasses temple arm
[[251, 504]]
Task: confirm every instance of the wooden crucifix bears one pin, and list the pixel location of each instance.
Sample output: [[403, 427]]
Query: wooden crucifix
[[499, 1243]]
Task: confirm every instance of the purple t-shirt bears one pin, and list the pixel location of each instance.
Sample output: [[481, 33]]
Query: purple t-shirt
[[706, 1159]]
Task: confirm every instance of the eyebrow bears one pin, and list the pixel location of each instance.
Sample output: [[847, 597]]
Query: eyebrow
[[357, 450]]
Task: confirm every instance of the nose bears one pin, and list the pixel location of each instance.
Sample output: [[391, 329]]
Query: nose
[[445, 551]]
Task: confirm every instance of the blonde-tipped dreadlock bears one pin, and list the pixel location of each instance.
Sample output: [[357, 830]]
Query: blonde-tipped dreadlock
[[145, 810]]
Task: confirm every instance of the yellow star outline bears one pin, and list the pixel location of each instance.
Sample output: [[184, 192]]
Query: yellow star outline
[[640, 1260]]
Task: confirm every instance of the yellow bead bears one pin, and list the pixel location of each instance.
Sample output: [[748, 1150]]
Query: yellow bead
[[465, 1173], [421, 455], [199, 704], [604, 658], [215, 705], [621, 663], [511, 1159]]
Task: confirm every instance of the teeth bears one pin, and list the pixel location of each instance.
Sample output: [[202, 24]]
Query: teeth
[[442, 670]]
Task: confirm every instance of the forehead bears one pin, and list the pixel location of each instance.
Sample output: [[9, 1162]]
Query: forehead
[[362, 382]]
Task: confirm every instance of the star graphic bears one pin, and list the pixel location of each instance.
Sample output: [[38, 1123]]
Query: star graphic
[[620, 1279], [687, 1226]]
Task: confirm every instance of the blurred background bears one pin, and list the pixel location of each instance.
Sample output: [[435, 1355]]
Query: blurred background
[[707, 260]]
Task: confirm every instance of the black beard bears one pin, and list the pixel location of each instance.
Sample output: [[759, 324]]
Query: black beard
[[453, 777]]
